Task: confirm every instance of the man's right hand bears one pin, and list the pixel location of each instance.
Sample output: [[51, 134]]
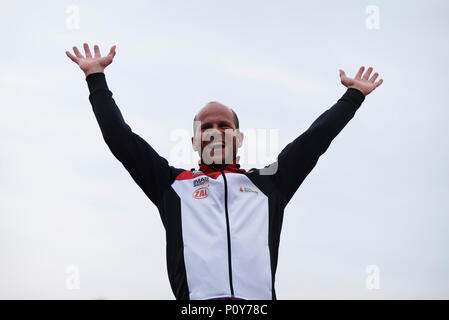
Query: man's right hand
[[91, 64]]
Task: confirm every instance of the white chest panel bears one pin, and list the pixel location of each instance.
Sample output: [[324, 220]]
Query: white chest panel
[[205, 241]]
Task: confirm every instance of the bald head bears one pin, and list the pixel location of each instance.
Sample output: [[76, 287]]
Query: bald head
[[219, 109]]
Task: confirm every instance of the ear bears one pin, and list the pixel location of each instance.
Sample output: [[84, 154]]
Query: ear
[[240, 139], [194, 144]]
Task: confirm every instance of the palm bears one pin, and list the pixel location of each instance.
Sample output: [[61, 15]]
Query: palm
[[88, 63], [361, 82]]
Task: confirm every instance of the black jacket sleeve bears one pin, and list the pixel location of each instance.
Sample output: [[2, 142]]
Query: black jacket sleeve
[[149, 170], [299, 157]]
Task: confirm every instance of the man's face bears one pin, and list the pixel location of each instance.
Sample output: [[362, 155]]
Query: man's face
[[216, 137]]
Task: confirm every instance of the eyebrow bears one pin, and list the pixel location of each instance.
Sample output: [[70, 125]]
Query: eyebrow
[[222, 122]]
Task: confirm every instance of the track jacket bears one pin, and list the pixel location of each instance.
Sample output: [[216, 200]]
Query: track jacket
[[222, 226]]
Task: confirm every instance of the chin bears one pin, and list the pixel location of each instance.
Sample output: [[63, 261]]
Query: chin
[[219, 158]]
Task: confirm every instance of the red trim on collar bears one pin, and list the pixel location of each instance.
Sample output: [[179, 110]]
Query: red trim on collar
[[212, 171], [210, 168]]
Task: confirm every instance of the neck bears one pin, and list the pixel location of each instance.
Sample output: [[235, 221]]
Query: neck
[[234, 166]]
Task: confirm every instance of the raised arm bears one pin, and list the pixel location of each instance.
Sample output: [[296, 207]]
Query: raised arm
[[299, 157], [149, 170]]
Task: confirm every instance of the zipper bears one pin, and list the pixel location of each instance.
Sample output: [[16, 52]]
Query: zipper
[[228, 234]]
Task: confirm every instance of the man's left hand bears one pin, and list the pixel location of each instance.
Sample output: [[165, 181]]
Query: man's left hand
[[363, 83]]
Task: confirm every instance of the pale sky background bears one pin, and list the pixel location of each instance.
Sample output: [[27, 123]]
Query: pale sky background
[[378, 196]]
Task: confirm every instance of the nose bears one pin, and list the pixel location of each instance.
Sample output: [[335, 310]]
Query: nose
[[213, 134]]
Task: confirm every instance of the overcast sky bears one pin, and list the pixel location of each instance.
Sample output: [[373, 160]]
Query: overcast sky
[[73, 223]]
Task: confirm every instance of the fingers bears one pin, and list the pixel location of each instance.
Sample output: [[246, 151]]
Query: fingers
[[343, 77], [367, 73], [358, 76], [112, 52], [77, 53], [111, 55], [97, 51], [78, 56], [378, 83], [87, 51], [72, 57], [374, 77], [358, 80]]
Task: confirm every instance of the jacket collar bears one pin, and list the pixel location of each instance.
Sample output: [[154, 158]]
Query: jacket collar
[[209, 168]]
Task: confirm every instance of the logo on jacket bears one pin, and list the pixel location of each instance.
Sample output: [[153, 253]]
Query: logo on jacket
[[201, 193], [245, 189], [200, 181], [195, 172]]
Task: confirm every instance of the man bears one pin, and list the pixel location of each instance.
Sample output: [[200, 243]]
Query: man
[[222, 223]]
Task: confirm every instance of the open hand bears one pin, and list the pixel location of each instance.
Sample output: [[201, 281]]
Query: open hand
[[91, 64], [365, 84]]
